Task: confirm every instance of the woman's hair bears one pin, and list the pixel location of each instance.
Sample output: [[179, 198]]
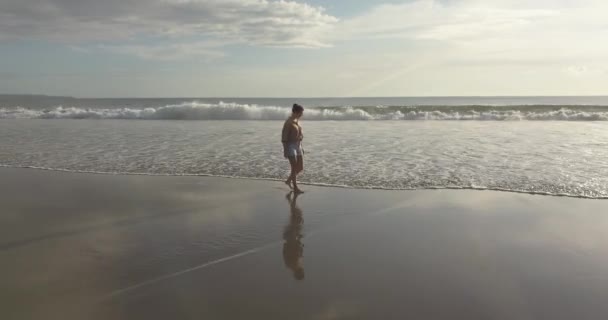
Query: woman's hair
[[297, 108]]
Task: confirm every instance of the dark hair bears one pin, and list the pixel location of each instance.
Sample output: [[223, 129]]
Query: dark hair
[[297, 108]]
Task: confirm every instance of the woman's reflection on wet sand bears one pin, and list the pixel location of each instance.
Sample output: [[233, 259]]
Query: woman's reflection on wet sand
[[293, 248]]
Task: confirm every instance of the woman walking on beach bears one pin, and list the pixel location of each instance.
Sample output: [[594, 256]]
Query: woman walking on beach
[[292, 145]]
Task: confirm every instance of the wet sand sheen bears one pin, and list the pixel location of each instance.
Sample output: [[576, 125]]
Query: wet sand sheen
[[80, 246]]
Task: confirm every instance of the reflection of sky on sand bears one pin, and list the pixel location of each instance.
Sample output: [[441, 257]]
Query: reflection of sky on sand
[[528, 220], [420, 254], [337, 310], [502, 263], [109, 231]]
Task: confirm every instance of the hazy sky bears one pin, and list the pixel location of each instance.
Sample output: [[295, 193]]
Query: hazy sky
[[152, 48]]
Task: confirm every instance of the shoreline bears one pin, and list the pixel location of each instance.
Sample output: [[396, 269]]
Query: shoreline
[[313, 184]]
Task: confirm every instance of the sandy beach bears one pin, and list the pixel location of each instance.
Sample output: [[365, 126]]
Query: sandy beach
[[84, 246]]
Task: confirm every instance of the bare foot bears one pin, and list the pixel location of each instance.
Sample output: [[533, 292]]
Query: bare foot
[[298, 191], [288, 183]]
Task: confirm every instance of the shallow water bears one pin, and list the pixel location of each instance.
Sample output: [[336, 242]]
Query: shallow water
[[555, 157]]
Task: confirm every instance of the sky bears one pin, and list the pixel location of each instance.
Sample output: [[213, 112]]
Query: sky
[[304, 48]]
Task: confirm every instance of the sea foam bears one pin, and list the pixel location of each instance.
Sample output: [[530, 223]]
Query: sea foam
[[234, 111]]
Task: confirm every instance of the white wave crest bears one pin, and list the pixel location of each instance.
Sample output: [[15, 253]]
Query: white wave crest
[[234, 111]]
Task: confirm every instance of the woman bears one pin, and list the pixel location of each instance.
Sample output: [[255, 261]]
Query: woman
[[292, 145]]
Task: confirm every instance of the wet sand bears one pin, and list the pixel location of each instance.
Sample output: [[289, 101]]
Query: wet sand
[[83, 246]]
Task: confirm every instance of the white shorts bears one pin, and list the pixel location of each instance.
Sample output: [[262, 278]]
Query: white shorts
[[293, 149]]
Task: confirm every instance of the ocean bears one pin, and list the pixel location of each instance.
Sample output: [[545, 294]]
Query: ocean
[[537, 145]]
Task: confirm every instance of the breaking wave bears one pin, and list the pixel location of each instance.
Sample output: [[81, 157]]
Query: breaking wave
[[234, 111]]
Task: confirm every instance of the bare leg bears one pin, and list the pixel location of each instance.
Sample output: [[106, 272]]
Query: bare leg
[[299, 166], [292, 176]]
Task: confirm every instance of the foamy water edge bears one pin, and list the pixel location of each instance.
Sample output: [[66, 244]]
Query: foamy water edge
[[317, 184]]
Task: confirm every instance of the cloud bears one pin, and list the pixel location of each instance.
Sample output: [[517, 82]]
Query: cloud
[[586, 70], [8, 76], [255, 22], [167, 52], [489, 32], [435, 20]]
